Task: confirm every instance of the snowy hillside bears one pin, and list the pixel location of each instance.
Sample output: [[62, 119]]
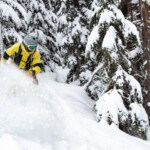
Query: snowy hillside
[[53, 116]]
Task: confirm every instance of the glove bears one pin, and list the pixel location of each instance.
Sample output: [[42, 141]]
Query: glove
[[29, 74]]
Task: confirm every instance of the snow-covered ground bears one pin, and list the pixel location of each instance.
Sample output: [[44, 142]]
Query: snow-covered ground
[[53, 116]]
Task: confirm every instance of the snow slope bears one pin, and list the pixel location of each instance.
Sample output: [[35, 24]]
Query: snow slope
[[53, 116]]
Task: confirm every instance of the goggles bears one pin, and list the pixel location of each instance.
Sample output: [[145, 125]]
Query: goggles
[[32, 47]]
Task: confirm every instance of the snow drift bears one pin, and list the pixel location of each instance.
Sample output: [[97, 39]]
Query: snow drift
[[53, 116]]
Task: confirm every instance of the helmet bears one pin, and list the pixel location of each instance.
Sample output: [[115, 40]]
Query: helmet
[[30, 42]]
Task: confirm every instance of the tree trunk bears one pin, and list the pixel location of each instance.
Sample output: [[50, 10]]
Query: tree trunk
[[1, 39], [76, 3], [126, 8], [145, 13]]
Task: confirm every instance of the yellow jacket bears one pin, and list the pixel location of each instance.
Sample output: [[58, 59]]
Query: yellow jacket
[[35, 63]]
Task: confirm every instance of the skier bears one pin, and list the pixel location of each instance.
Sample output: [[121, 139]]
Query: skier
[[25, 56]]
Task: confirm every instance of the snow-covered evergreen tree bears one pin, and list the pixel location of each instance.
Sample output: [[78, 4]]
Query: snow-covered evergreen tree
[[73, 32], [145, 15], [112, 52], [14, 22]]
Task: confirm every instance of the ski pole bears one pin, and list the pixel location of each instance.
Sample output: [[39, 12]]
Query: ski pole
[[35, 80]]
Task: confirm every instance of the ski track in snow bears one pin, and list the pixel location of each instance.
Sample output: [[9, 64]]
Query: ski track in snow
[[53, 116]]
